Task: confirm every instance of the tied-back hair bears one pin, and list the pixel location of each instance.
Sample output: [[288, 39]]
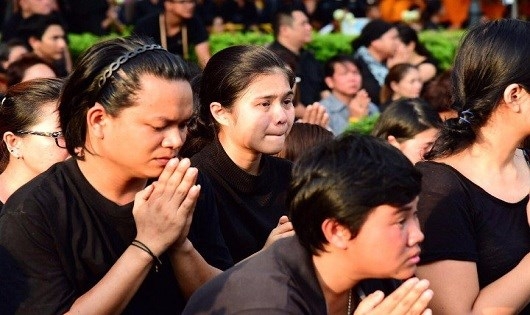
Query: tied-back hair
[[226, 75], [127, 59], [345, 179], [22, 107], [405, 118], [395, 74], [491, 56]]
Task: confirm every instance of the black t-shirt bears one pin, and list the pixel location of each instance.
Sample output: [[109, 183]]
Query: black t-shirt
[[249, 206], [461, 221], [278, 280], [149, 26], [59, 237]]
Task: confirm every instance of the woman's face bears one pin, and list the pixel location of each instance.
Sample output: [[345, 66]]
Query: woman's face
[[39, 152], [261, 117], [414, 149], [140, 140], [409, 86]]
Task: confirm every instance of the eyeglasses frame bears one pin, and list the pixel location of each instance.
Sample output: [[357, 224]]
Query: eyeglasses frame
[[55, 135]]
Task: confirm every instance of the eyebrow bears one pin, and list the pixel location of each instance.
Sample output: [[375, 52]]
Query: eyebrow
[[289, 93], [404, 208]]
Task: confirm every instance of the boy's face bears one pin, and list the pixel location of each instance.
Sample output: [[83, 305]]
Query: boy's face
[[388, 243]]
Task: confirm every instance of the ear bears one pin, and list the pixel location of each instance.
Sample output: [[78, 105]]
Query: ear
[[393, 86], [512, 95], [219, 113], [97, 119], [13, 143], [33, 42], [329, 82], [393, 141], [336, 234]]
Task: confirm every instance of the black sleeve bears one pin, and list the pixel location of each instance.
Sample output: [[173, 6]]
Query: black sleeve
[[205, 232], [37, 285], [445, 214], [196, 31], [148, 26]]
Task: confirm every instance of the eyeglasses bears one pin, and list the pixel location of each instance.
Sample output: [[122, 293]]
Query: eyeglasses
[[57, 135], [183, 1]]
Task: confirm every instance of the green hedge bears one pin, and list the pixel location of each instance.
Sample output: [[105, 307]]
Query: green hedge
[[442, 44]]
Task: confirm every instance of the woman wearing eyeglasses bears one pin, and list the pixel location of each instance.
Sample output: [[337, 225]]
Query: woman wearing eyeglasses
[[32, 140], [178, 29]]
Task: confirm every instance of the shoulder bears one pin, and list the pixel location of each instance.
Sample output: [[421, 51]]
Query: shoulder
[[332, 104]]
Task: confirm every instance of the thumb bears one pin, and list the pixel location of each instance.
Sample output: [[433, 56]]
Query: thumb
[[144, 194], [283, 219], [369, 303]]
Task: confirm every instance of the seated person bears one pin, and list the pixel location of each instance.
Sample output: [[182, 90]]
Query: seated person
[[47, 38], [28, 67], [347, 101], [409, 124], [353, 206], [402, 81]]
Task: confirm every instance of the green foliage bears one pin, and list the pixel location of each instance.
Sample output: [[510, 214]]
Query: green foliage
[[363, 126], [442, 44]]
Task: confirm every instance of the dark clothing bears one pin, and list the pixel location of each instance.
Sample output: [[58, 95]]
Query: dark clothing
[[461, 221], [307, 68], [279, 280], [59, 236], [231, 12], [249, 206], [145, 8], [149, 26], [86, 16], [370, 83]]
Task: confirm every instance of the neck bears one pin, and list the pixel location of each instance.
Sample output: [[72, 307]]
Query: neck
[[345, 99], [172, 20], [116, 185], [375, 54], [290, 45], [13, 177], [246, 159], [335, 286]]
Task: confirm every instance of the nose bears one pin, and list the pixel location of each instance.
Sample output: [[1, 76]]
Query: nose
[[280, 114], [415, 234], [174, 138]]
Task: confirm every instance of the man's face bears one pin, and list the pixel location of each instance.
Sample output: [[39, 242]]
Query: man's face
[[52, 45], [300, 31]]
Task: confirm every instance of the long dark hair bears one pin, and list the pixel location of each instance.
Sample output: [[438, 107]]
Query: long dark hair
[[492, 56]]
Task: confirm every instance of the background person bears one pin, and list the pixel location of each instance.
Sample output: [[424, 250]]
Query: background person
[[32, 140], [474, 202], [177, 29], [410, 125], [346, 197], [402, 81], [347, 102]]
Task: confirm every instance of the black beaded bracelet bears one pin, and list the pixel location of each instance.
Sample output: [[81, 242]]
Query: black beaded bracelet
[[146, 249]]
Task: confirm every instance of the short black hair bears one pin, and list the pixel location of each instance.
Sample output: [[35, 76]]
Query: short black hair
[[345, 179]]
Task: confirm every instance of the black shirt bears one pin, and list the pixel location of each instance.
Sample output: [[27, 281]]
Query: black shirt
[[149, 26], [461, 221], [59, 236], [249, 206], [278, 280]]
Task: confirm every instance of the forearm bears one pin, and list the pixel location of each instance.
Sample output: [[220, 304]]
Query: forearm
[[190, 269], [114, 291], [202, 51], [507, 295]]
